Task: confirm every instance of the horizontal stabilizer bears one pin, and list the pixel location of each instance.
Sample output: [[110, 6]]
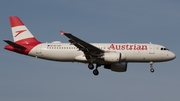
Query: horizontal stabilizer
[[14, 45]]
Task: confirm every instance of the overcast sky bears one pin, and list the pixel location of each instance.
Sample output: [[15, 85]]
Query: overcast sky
[[25, 78]]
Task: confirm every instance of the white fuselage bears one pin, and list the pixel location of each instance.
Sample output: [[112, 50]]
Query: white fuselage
[[67, 52]]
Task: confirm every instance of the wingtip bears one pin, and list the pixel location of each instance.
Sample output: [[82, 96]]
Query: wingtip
[[62, 32], [5, 40]]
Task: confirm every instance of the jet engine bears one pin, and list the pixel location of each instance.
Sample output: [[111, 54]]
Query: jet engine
[[118, 67], [113, 57]]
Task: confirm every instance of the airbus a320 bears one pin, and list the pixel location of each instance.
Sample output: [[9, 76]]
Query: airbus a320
[[112, 56]]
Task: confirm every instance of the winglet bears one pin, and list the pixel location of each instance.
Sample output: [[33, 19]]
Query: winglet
[[62, 32]]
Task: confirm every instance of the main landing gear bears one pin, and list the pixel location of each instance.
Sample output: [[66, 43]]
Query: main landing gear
[[151, 67], [91, 66], [95, 71]]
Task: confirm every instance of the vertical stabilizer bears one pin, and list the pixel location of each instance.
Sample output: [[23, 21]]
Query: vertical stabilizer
[[21, 34]]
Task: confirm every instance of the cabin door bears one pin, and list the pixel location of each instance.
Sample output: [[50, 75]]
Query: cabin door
[[151, 49]]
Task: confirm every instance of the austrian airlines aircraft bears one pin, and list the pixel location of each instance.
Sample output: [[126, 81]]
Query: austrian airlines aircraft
[[113, 56]]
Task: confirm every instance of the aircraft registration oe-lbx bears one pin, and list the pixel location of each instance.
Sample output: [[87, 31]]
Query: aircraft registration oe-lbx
[[112, 56]]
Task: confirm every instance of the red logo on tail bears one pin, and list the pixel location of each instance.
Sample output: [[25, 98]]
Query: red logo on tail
[[19, 32]]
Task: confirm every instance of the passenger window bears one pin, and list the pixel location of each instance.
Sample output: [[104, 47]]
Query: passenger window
[[162, 48]]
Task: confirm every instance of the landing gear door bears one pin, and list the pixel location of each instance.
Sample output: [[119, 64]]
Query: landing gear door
[[151, 49]]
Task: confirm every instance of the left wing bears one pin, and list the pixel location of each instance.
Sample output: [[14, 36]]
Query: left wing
[[89, 50]]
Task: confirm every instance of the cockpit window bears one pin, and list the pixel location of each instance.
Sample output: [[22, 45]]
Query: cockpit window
[[164, 49]]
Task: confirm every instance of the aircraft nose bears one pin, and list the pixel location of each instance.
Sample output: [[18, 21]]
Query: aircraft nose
[[172, 55]]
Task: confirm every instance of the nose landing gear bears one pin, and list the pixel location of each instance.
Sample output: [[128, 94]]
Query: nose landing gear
[[151, 66]]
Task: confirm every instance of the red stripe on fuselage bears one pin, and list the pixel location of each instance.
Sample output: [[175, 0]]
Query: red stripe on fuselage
[[29, 43]]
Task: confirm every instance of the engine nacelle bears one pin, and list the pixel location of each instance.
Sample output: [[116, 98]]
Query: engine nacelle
[[113, 57], [117, 67]]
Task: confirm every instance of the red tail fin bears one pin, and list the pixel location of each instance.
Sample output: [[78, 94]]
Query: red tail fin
[[24, 41], [21, 34]]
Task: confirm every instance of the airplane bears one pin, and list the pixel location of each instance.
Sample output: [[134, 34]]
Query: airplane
[[112, 56]]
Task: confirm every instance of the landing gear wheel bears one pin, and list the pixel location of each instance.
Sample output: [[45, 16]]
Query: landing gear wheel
[[95, 72], [151, 66], [152, 70], [91, 66]]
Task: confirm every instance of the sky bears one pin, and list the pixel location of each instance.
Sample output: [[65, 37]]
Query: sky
[[24, 78]]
